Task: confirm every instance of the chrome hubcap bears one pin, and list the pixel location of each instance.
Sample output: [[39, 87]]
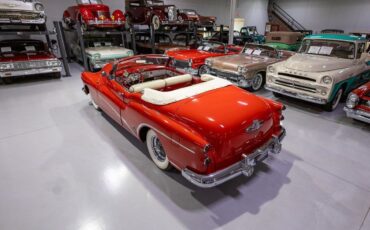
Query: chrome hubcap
[[337, 99], [158, 149], [257, 82]]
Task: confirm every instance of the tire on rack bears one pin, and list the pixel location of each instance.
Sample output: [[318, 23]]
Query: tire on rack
[[156, 22], [258, 81], [333, 104], [156, 151]]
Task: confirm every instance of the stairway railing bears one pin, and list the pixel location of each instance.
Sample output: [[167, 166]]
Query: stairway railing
[[287, 18]]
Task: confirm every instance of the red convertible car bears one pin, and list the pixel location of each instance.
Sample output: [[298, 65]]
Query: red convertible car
[[205, 127], [358, 104], [192, 61], [93, 14]]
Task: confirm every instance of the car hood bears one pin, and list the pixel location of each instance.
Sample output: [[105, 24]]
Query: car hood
[[108, 51], [16, 5], [315, 63], [26, 57], [233, 61], [190, 54]]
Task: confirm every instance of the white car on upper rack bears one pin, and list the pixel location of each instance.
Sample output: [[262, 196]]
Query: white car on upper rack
[[28, 13]]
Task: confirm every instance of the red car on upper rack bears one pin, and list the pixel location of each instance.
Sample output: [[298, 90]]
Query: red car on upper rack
[[208, 22], [25, 57], [358, 104], [205, 127], [93, 14], [192, 61]]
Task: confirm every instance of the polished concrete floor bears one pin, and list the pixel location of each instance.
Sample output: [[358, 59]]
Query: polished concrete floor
[[65, 166]]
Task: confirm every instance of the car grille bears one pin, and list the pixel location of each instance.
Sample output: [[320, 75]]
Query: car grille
[[19, 15], [29, 65], [296, 86], [181, 64], [228, 76], [297, 77]]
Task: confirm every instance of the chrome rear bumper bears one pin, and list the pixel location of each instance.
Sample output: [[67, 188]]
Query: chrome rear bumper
[[245, 166], [357, 114]]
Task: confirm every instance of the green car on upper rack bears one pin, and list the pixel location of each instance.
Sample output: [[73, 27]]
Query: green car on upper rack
[[326, 68]]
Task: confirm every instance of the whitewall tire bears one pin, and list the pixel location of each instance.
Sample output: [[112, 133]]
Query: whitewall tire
[[93, 103], [156, 151]]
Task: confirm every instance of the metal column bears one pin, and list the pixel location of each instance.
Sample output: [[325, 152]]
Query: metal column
[[232, 17], [62, 47]]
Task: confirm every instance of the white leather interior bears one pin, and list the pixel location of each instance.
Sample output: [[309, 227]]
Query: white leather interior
[[178, 79], [156, 84], [164, 98]]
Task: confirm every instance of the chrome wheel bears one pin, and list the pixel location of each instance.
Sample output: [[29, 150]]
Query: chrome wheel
[[156, 23], [156, 151], [257, 82], [337, 98]]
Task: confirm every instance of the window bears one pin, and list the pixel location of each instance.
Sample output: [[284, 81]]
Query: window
[[360, 50], [330, 48]]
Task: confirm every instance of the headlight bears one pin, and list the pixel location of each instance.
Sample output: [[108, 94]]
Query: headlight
[[242, 69], [53, 63], [39, 7], [6, 66], [327, 80], [96, 56], [209, 62], [271, 69], [352, 100]]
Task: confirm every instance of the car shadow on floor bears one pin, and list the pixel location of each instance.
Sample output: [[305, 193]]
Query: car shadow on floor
[[37, 79], [226, 202]]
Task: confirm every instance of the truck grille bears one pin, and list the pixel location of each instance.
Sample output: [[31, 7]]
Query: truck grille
[[296, 86], [297, 77], [181, 64], [30, 65], [19, 15]]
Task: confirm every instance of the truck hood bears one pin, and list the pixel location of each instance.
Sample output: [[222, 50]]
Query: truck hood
[[14, 57], [109, 52], [16, 5], [315, 63], [190, 54], [223, 120]]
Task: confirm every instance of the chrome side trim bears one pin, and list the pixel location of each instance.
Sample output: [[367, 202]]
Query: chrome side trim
[[357, 114], [164, 135], [245, 166], [300, 96]]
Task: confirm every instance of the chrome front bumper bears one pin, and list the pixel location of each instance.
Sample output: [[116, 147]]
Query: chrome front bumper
[[245, 166], [30, 72], [357, 114], [105, 22], [301, 96], [22, 21]]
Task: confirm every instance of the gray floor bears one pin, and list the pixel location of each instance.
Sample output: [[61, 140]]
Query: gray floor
[[63, 165]]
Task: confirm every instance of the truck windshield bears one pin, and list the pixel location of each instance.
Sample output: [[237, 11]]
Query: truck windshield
[[89, 2], [330, 48]]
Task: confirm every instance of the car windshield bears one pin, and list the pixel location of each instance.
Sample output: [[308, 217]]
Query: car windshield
[[212, 47], [154, 3], [89, 2], [258, 50], [21, 47], [103, 41], [331, 48]]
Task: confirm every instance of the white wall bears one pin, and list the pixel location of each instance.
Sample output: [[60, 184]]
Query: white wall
[[254, 12], [349, 15]]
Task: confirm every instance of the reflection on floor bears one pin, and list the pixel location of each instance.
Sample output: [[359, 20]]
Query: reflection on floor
[[64, 165]]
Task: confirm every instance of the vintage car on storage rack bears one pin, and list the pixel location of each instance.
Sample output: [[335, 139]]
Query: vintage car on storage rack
[[192, 61], [21, 58], [358, 103], [152, 13], [99, 49], [282, 40], [162, 43], [326, 67], [28, 13], [251, 35], [205, 127], [247, 69], [93, 14], [208, 22]]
